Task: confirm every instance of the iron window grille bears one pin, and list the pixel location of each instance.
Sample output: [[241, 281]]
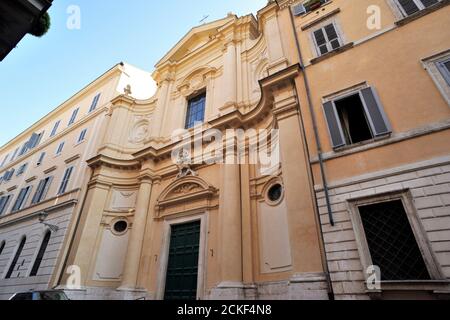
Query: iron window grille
[[392, 243]]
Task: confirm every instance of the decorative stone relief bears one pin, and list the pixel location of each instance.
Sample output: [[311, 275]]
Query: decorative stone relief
[[190, 193], [141, 129], [186, 188]]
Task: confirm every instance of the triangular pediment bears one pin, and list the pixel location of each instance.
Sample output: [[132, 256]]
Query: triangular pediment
[[197, 37]]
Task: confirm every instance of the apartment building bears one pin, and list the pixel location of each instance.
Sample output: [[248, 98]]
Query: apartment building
[[374, 97], [43, 179]]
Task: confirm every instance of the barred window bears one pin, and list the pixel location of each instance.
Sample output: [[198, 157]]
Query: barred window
[[391, 241]]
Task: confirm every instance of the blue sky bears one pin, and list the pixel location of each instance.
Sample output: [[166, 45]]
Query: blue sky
[[41, 73]]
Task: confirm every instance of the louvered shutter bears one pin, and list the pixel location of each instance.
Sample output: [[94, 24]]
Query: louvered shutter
[[55, 128], [65, 181], [321, 41], [27, 195], [299, 9], [429, 3], [46, 188], [409, 6], [6, 204], [18, 200], [11, 174], [41, 158], [334, 127], [444, 68], [378, 121], [74, 116], [38, 194], [24, 149], [95, 102], [2, 204], [332, 36], [33, 141]]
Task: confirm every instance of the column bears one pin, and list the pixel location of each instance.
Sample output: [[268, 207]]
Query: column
[[231, 225], [132, 261]]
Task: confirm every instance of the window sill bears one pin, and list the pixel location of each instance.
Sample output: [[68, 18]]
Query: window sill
[[320, 19], [435, 286], [361, 144], [422, 13], [332, 53], [317, 10], [79, 143]]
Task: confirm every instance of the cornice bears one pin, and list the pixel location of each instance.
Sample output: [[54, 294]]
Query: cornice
[[123, 99], [102, 160], [235, 118]]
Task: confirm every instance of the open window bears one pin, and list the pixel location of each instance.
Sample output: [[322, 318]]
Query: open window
[[355, 118]]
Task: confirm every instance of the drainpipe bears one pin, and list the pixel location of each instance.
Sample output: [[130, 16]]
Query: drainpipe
[[319, 152], [314, 121]]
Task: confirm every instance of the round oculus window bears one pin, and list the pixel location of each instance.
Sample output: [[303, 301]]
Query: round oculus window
[[120, 226], [275, 193]]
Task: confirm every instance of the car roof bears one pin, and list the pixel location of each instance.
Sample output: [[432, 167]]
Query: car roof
[[40, 291]]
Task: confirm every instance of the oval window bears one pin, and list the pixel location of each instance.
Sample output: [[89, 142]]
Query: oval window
[[275, 193], [120, 226]]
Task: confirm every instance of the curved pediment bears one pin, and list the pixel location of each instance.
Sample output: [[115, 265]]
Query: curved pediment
[[188, 193], [196, 80]]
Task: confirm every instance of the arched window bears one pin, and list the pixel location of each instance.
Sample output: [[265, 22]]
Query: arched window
[[40, 256], [16, 257]]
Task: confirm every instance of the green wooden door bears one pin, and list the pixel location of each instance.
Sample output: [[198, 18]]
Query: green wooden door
[[182, 269]]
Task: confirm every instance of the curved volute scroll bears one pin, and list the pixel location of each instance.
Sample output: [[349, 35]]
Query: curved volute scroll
[[188, 194]]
